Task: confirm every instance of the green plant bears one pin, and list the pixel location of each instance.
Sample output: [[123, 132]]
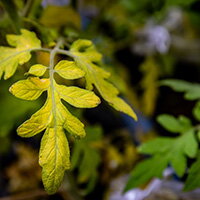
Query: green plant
[[54, 118], [173, 151]]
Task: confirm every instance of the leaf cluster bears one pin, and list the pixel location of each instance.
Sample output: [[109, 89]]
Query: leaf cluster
[[164, 151], [53, 117]]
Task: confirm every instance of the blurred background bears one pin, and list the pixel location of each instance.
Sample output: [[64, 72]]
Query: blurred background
[[142, 42]]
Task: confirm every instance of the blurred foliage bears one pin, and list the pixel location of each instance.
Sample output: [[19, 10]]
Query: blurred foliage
[[142, 42], [83, 151]]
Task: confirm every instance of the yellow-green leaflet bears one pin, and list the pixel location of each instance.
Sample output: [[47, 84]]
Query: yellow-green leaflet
[[37, 70], [56, 119], [11, 57], [68, 70], [86, 57]]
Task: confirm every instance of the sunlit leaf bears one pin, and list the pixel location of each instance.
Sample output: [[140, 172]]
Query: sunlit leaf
[[11, 57], [29, 89], [87, 58], [54, 157], [37, 70], [55, 118], [68, 70]]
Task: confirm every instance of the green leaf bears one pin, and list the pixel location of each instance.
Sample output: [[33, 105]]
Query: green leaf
[[158, 145], [174, 125], [196, 111], [175, 150], [191, 90], [55, 118], [37, 70], [87, 58], [11, 57], [68, 70], [86, 157], [164, 151], [193, 179], [146, 170]]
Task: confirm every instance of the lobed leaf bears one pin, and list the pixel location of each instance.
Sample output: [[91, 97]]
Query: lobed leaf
[[174, 125], [164, 151], [11, 57], [146, 170], [55, 118], [86, 57], [191, 90]]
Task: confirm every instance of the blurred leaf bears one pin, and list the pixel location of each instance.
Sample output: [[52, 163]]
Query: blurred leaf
[[149, 84], [175, 150], [191, 90], [174, 125], [86, 157], [58, 16], [196, 111], [12, 11], [146, 170], [17, 107], [193, 179], [164, 151]]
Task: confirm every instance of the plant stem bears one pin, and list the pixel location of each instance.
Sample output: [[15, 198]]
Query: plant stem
[[65, 52], [51, 77]]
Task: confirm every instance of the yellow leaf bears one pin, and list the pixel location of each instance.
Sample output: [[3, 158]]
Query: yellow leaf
[[29, 89], [11, 57], [37, 70], [68, 70], [149, 84], [54, 117], [38, 121], [74, 126], [78, 97], [87, 58], [57, 16], [54, 158]]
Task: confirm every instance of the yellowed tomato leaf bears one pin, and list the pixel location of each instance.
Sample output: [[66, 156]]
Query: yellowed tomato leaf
[[29, 89], [78, 97], [87, 58], [68, 70], [54, 158], [37, 70], [11, 57]]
